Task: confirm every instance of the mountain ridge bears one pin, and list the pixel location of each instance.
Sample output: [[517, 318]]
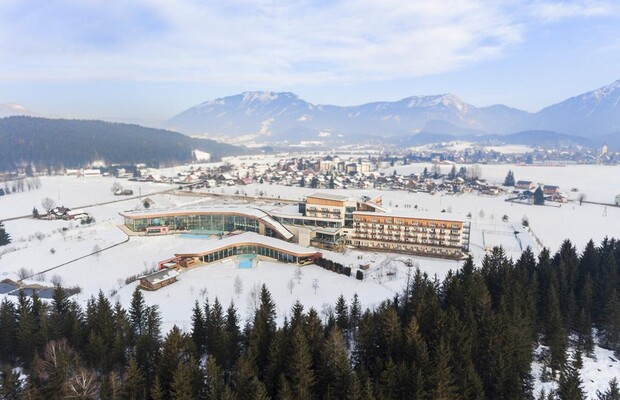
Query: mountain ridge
[[271, 114]]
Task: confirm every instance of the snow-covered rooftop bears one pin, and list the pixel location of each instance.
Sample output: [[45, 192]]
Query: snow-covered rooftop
[[249, 211], [248, 238]]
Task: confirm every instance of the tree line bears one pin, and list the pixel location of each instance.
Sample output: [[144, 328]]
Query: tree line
[[54, 144], [471, 335]]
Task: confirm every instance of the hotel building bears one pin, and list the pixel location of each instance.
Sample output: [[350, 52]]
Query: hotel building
[[324, 221]]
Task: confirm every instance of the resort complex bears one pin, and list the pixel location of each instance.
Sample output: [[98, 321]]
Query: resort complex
[[322, 221]]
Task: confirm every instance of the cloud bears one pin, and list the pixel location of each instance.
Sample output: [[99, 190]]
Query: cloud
[[265, 43], [554, 11]]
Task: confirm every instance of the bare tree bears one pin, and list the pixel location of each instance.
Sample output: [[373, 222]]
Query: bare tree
[[582, 197], [83, 384], [298, 274], [48, 204], [238, 285], [474, 172], [253, 298], [56, 280], [116, 187], [315, 285], [96, 251], [290, 285]]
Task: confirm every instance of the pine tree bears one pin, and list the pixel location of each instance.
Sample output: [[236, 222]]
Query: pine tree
[[612, 392], [137, 312], [335, 371], [181, 386], [510, 179], [147, 346], [452, 173], [539, 196], [555, 334], [199, 332], [342, 315], [10, 385], [284, 389], [214, 384], [110, 386], [611, 322], [8, 331], [262, 332], [233, 340], [570, 385], [299, 367], [157, 392], [177, 349], [26, 329], [442, 379], [5, 238], [133, 382], [302, 182]]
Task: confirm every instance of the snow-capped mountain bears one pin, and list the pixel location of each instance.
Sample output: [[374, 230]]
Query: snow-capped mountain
[[286, 117], [589, 114]]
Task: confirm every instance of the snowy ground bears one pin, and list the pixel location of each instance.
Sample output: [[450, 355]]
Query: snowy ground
[[596, 373], [551, 223], [600, 183], [34, 241], [72, 192]]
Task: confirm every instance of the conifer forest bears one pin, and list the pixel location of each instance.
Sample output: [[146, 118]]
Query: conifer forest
[[473, 335]]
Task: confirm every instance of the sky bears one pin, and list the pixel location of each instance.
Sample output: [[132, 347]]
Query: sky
[[144, 61]]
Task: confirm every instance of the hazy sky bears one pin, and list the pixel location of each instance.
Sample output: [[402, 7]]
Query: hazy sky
[[150, 59]]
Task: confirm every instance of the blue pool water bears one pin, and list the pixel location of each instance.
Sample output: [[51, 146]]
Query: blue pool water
[[245, 264]]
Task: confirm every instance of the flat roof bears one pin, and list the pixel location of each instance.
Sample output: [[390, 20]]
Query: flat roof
[[418, 215], [328, 196], [247, 238]]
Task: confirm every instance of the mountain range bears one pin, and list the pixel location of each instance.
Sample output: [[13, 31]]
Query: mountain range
[[284, 117]]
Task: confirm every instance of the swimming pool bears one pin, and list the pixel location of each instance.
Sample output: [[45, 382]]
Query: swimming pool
[[246, 261]]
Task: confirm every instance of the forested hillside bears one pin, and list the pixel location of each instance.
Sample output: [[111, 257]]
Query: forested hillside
[[60, 143], [471, 336]]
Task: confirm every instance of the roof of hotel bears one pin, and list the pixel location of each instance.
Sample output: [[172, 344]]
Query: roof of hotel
[[249, 211], [328, 196], [415, 214], [211, 245]]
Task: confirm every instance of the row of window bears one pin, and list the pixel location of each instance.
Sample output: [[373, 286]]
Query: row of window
[[251, 249], [211, 222]]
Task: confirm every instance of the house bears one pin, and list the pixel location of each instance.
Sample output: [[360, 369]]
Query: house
[[59, 213], [90, 172], [78, 214], [551, 190], [159, 279], [525, 185]]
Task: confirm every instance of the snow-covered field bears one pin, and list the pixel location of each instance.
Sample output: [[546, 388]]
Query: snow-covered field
[[42, 245], [600, 183], [72, 192]]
